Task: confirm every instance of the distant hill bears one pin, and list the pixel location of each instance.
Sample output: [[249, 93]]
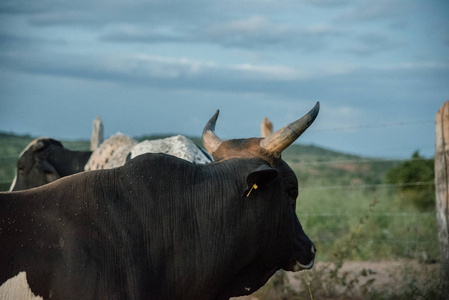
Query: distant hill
[[313, 165]]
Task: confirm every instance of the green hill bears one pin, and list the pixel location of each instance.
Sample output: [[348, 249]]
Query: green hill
[[314, 165]]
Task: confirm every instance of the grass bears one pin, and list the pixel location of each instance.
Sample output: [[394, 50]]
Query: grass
[[368, 224]]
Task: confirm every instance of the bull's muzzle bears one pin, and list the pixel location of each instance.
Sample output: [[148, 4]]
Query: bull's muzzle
[[296, 265]]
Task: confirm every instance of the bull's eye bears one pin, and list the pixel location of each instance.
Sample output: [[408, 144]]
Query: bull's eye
[[20, 169], [293, 193]]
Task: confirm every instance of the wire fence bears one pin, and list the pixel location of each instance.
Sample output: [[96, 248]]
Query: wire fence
[[368, 186], [380, 125]]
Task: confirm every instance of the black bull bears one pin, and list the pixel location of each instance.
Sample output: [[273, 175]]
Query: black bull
[[157, 228]]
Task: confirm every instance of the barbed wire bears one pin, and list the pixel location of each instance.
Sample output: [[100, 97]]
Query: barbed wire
[[386, 214], [349, 187], [349, 161], [381, 125], [366, 186], [306, 162]]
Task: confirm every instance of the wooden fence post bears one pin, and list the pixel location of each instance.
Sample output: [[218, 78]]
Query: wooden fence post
[[442, 184]]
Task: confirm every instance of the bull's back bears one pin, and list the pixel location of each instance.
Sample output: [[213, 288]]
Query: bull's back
[[90, 230]]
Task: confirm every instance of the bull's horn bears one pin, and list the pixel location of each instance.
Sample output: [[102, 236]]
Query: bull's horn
[[210, 140], [279, 140]]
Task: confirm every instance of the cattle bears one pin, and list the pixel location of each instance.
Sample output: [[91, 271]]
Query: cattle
[[112, 153], [178, 146], [44, 160], [116, 150], [161, 227]]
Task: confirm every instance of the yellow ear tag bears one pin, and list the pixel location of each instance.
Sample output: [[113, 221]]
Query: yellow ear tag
[[253, 188]]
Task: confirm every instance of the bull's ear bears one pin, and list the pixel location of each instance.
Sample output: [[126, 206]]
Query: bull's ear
[[260, 177], [49, 171], [39, 145], [43, 143]]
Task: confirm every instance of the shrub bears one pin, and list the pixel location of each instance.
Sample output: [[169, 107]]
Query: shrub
[[414, 178]]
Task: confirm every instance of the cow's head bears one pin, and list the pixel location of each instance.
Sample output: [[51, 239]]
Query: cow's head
[[34, 167], [274, 184]]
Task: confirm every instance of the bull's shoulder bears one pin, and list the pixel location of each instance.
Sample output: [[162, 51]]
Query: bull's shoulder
[[154, 160]]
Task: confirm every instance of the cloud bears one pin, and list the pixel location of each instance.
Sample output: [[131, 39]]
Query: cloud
[[375, 43], [229, 24], [379, 10], [144, 34], [86, 13], [254, 33], [148, 70], [260, 32], [328, 3], [394, 84], [17, 42]]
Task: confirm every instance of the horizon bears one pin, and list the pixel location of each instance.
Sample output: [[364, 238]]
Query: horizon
[[193, 137]]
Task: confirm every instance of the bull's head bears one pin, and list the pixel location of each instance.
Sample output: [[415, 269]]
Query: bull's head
[[33, 166], [298, 252], [272, 145]]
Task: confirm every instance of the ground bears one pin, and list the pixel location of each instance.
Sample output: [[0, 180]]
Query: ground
[[354, 280]]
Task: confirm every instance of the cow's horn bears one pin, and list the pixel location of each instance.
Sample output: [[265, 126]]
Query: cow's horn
[[279, 140], [210, 140]]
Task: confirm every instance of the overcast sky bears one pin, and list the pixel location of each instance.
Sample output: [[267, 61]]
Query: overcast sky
[[380, 69]]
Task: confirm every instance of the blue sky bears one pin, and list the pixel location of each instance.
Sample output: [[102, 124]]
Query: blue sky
[[380, 69]]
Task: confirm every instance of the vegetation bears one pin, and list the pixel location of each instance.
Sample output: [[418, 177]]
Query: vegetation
[[414, 177]]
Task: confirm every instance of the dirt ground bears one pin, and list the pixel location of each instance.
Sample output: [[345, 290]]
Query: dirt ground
[[352, 281]]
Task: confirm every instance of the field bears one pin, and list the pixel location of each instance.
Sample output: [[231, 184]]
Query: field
[[360, 225]]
